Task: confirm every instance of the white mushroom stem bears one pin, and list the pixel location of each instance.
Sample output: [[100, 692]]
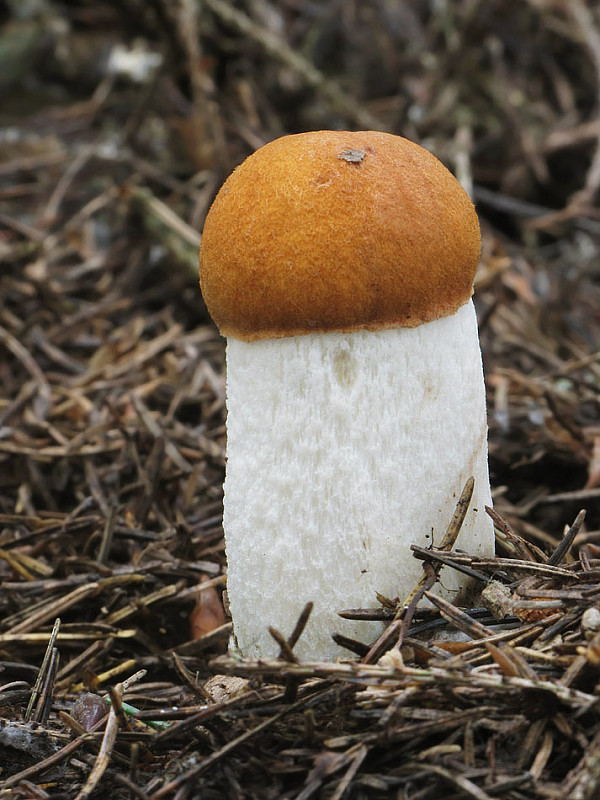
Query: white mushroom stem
[[343, 450]]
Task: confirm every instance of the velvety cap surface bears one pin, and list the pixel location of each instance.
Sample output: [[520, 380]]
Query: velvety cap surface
[[337, 231]]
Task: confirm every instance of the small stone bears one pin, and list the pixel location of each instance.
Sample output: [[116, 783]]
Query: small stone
[[89, 709], [496, 597], [221, 688], [590, 621]]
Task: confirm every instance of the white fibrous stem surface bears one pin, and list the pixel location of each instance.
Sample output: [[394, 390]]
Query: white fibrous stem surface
[[343, 450]]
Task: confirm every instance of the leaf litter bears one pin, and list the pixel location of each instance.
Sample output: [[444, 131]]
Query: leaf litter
[[119, 123]]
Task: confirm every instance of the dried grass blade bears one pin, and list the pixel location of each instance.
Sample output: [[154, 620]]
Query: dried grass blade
[[346, 780], [37, 689], [568, 539]]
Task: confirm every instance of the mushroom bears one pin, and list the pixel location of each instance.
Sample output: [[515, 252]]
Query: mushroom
[[340, 266]]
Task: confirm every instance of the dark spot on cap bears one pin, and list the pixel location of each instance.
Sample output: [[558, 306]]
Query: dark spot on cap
[[352, 156]]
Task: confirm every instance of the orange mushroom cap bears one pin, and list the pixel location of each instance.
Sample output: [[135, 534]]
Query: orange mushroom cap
[[337, 231]]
